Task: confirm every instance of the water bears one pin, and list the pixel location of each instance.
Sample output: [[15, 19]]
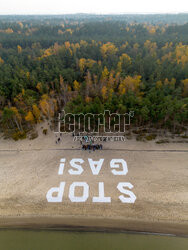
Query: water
[[58, 240]]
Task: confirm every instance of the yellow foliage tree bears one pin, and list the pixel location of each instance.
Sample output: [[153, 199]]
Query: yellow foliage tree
[[17, 117], [159, 84], [21, 25], [15, 110], [83, 43], [19, 48], [151, 47], [151, 29], [104, 92], [82, 63], [108, 49], [67, 45], [39, 86], [36, 113], [90, 62], [45, 107], [48, 105], [125, 61], [181, 52], [125, 57], [76, 85], [75, 47], [130, 83], [29, 117], [1, 61], [105, 74], [48, 52]]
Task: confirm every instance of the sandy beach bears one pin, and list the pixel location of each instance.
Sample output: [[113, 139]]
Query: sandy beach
[[159, 174]]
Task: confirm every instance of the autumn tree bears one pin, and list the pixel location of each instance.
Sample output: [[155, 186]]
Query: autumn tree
[[19, 48], [108, 49], [36, 113], [130, 84], [29, 117]]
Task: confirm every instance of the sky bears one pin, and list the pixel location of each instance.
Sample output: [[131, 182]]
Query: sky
[[94, 6]]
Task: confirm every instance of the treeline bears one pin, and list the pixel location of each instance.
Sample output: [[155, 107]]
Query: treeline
[[86, 67], [47, 30], [179, 18]]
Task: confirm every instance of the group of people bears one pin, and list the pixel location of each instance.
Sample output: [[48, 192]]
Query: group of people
[[92, 147]]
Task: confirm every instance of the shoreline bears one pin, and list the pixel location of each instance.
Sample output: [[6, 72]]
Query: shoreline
[[93, 224]]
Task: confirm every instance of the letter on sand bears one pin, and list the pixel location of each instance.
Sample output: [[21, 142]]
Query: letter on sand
[[95, 169], [77, 168], [115, 164], [84, 195], [101, 197], [121, 187], [59, 190]]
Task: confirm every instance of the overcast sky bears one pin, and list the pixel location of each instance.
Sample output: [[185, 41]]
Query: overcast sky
[[94, 6]]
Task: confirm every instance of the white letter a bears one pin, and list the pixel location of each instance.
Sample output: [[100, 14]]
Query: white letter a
[[95, 170]]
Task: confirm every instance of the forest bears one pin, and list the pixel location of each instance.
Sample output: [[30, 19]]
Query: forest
[[91, 63]]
